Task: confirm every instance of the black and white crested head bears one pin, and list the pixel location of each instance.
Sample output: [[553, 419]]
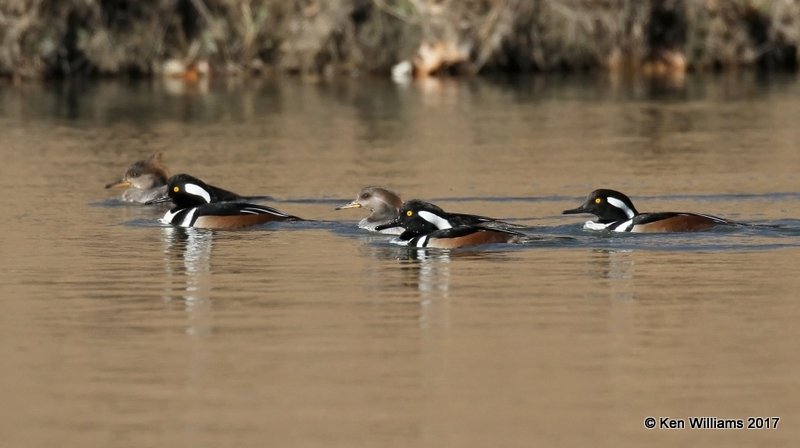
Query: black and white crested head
[[422, 217], [608, 205], [188, 191]]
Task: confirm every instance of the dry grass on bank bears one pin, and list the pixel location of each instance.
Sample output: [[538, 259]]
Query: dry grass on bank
[[53, 38]]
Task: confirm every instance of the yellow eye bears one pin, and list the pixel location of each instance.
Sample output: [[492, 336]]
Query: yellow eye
[[409, 213], [176, 189], [598, 200]]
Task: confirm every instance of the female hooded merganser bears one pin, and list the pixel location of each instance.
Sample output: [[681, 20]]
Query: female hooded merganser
[[617, 213], [198, 205], [144, 180], [426, 225], [384, 206], [146, 183]]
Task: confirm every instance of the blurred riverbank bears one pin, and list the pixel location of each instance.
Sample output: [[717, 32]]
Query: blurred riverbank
[[193, 39]]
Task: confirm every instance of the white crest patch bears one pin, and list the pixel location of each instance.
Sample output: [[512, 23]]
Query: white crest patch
[[438, 221], [621, 205], [197, 190]]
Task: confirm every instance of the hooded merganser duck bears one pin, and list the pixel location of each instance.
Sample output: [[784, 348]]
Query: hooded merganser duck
[[197, 205], [426, 225], [144, 180], [384, 206], [617, 213]]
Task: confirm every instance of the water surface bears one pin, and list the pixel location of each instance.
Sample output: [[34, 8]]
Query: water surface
[[119, 331]]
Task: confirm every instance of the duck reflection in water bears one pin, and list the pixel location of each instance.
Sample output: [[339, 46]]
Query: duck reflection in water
[[615, 268], [432, 269], [423, 276], [187, 263], [433, 282], [426, 270]]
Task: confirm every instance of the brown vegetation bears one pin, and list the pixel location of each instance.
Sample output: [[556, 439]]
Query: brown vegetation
[[53, 38]]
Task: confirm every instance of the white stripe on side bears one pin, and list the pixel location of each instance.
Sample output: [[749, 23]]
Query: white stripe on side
[[624, 226], [621, 205], [438, 221], [197, 190], [263, 211], [713, 218], [187, 220], [422, 241], [167, 218]]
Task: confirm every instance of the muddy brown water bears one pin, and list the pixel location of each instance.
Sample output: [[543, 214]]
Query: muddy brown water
[[118, 331]]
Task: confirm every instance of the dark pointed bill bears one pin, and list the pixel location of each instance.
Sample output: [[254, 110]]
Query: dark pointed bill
[[575, 211], [160, 200], [388, 225]]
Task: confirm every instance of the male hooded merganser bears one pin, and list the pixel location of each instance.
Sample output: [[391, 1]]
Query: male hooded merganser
[[426, 225], [197, 205], [383, 205], [144, 180], [617, 213]]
